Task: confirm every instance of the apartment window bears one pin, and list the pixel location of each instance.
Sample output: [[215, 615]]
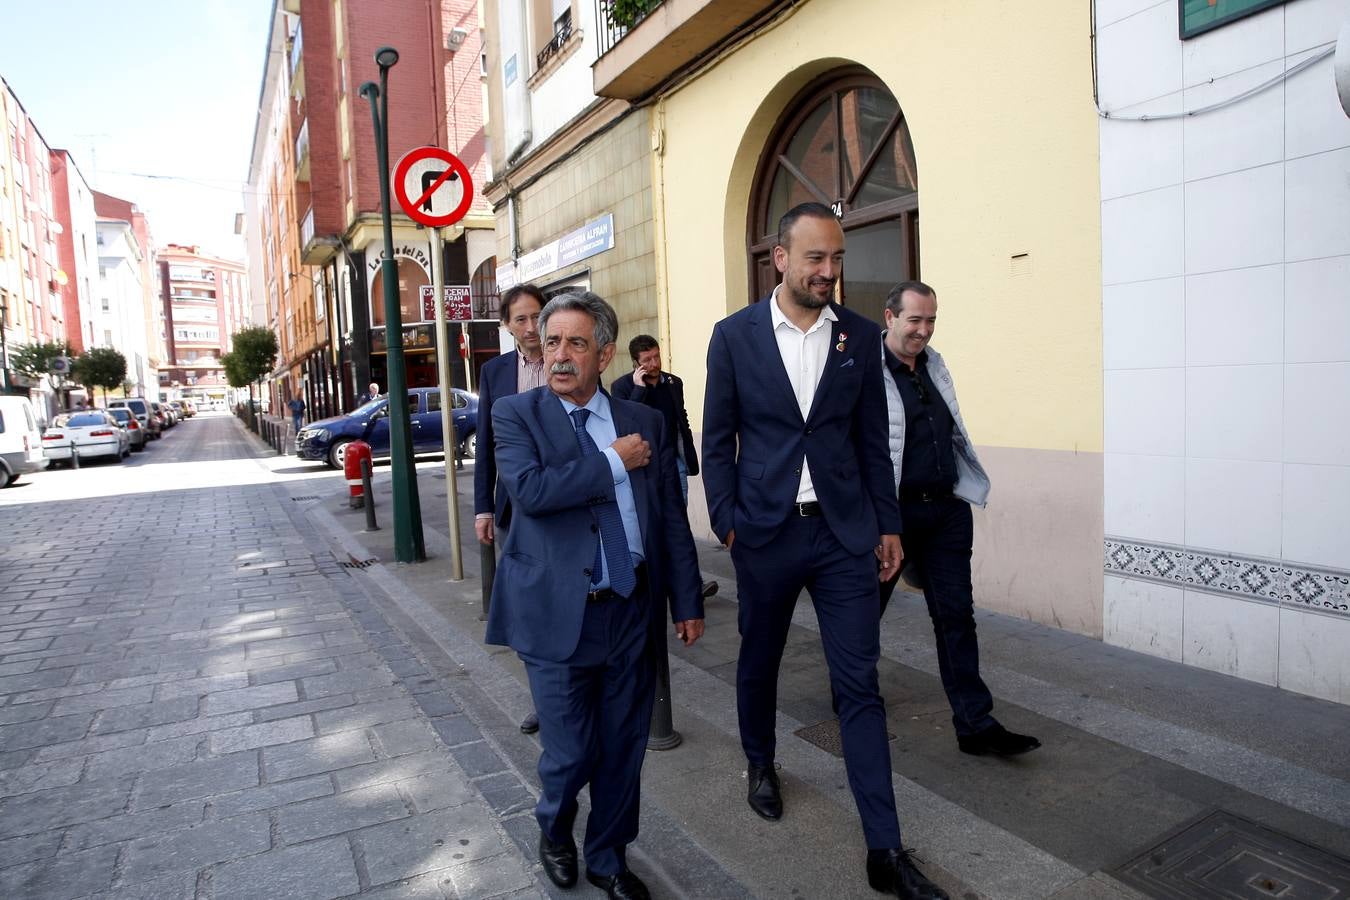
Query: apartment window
[[107, 338], [106, 307], [551, 27]]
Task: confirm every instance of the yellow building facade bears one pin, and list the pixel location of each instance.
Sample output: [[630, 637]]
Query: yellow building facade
[[997, 208]]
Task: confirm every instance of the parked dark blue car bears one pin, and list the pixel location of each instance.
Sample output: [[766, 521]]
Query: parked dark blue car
[[327, 439]]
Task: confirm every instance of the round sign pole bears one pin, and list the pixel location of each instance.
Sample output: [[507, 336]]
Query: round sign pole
[[448, 438]]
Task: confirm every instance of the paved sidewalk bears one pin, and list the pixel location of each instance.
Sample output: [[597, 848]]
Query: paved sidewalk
[[1135, 747], [197, 700], [256, 703]]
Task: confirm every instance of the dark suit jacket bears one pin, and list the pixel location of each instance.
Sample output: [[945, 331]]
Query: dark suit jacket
[[754, 437], [624, 389], [498, 379], [539, 596]]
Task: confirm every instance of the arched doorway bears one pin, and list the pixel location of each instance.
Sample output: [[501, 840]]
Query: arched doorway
[[844, 142]]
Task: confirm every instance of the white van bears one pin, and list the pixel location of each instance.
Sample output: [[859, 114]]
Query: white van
[[20, 439]]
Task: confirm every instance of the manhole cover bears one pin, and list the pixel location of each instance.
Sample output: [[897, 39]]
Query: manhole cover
[[358, 563], [825, 735], [1224, 855]]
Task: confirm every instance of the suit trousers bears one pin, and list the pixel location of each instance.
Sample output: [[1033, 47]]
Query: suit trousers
[[939, 535], [595, 711], [806, 554]]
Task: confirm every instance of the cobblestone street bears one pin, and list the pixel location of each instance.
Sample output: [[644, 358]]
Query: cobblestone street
[[199, 701]]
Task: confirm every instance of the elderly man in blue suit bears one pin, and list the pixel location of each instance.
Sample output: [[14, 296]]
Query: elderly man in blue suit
[[797, 472], [598, 533], [514, 372]]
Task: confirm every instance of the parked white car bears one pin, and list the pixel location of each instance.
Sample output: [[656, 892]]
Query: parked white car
[[93, 433], [20, 439]]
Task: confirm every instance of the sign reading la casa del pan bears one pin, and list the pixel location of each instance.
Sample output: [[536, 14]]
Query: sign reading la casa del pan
[[596, 236]]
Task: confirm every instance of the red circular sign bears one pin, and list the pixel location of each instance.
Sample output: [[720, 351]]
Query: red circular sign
[[413, 205]]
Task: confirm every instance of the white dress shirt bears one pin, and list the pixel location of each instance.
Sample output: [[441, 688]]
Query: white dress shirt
[[804, 354]]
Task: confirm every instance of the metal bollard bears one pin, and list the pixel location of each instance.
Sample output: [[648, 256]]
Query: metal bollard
[[370, 498], [487, 571], [74, 456], [663, 735]]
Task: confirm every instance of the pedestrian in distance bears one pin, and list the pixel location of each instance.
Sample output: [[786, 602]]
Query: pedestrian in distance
[[297, 408], [510, 373], [596, 536], [800, 491], [372, 393], [664, 392], [939, 477]]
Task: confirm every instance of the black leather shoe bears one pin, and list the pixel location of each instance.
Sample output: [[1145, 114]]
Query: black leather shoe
[[998, 741], [529, 724], [763, 791], [709, 588], [559, 861], [624, 886], [892, 872]]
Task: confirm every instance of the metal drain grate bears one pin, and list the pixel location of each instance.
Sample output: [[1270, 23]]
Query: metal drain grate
[[358, 564], [825, 735], [1223, 855], [306, 497]]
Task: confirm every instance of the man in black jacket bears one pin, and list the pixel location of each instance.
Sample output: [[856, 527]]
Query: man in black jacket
[[663, 391]]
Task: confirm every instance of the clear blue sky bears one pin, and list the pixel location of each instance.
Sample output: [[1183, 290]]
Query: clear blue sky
[[155, 87]]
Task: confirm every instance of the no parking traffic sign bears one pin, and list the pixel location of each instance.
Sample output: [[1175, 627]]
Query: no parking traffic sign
[[433, 186]]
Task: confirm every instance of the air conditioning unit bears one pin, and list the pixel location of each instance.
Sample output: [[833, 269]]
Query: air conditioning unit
[[455, 39]]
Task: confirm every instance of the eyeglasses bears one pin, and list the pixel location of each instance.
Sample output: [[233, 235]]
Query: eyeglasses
[[915, 380]]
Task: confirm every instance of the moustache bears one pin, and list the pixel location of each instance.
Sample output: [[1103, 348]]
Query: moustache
[[562, 368]]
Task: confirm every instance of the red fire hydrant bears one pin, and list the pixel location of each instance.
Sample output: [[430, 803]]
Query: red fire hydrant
[[351, 465]]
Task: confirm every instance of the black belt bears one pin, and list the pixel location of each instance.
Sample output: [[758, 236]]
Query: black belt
[[811, 508], [925, 494], [604, 594]]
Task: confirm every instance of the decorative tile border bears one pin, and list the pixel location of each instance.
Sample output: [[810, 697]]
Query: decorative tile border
[[1220, 572]]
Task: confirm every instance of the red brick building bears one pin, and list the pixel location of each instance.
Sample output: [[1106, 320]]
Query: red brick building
[[315, 166]]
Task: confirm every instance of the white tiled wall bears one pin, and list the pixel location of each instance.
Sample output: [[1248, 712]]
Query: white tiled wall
[[1226, 328]]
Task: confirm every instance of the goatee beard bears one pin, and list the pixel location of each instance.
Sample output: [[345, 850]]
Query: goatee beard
[[808, 300]]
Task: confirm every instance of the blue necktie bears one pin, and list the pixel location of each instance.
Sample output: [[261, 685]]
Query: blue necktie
[[613, 541]]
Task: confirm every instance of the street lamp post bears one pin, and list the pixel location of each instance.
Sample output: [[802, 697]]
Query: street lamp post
[[408, 541]]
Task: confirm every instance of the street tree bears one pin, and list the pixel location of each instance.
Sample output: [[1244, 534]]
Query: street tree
[[101, 367], [34, 360], [253, 357]]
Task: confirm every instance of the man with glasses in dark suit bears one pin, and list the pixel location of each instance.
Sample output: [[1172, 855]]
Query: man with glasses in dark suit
[[939, 477]]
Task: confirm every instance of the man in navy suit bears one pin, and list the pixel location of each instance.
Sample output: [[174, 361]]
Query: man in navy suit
[[797, 472], [596, 536], [515, 372]]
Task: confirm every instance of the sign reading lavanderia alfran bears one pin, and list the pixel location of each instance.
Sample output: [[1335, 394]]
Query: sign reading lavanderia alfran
[[596, 236]]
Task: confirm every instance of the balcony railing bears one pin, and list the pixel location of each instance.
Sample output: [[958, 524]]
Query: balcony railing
[[562, 30], [297, 48], [608, 11], [302, 153], [307, 228]]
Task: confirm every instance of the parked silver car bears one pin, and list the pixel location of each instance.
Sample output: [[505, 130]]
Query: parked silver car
[[128, 420]]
